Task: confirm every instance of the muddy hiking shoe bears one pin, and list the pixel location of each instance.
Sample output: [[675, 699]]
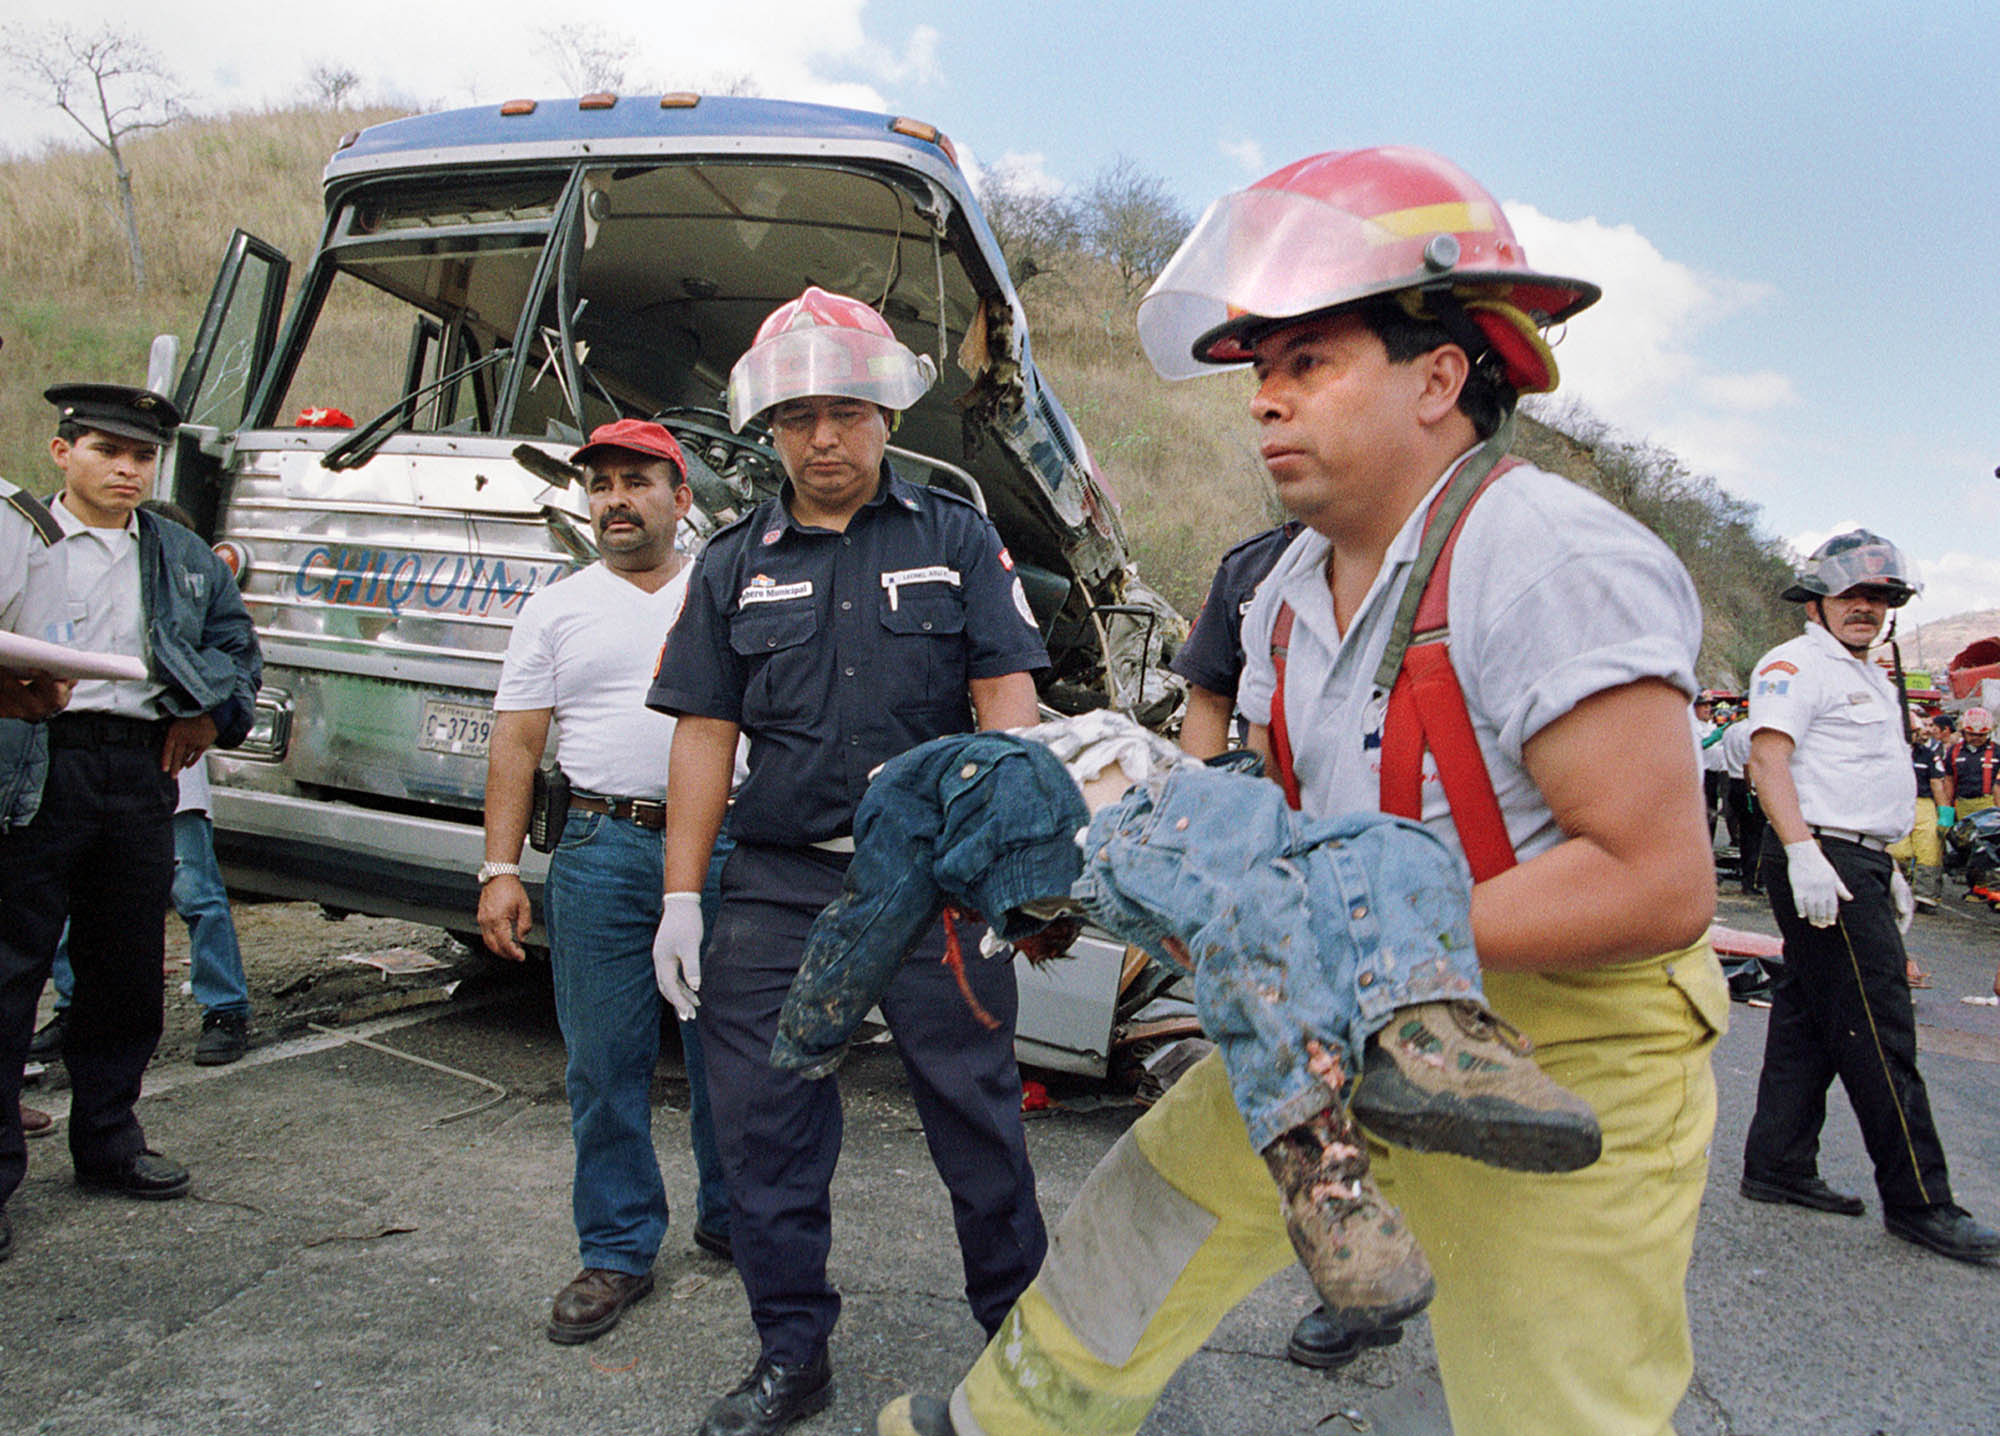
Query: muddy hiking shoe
[[1362, 1259], [1452, 1077]]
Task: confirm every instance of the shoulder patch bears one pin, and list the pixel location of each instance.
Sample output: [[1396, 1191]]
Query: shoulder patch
[[1780, 666], [38, 516]]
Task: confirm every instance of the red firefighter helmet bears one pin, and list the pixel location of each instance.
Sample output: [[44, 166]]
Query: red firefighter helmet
[[1332, 229], [826, 344]]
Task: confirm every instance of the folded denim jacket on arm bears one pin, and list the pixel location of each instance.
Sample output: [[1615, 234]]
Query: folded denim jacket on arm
[[982, 821], [1304, 931]]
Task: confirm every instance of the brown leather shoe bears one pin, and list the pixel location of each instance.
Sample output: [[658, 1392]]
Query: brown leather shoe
[[1361, 1257], [36, 1123], [591, 1304]]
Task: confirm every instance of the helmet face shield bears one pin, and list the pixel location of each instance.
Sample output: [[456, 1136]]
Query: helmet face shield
[[1856, 559], [831, 361], [1260, 253], [1327, 231]]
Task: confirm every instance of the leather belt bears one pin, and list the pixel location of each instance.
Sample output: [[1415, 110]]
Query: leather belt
[[1848, 835], [646, 812], [105, 730]]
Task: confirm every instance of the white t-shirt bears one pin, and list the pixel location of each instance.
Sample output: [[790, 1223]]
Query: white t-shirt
[[587, 647], [1555, 595], [1849, 761]]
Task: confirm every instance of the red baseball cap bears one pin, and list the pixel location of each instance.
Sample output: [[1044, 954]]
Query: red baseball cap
[[637, 436]]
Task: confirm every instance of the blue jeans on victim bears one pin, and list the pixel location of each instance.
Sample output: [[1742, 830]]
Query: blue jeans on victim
[[602, 905], [1304, 931]]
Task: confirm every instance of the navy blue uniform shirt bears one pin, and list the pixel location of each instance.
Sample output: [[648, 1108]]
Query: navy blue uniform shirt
[[1213, 654], [835, 652], [1971, 769], [1929, 764]]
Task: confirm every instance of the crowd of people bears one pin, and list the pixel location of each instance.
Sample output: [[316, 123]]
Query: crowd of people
[[1438, 634]]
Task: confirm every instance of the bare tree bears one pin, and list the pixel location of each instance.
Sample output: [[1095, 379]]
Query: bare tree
[[1132, 220], [332, 84], [586, 58], [114, 86], [1038, 227]]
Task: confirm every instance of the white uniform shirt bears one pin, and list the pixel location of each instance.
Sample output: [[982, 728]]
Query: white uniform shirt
[[1734, 746], [107, 612], [34, 600], [1711, 755], [1849, 761], [1555, 595], [587, 647]]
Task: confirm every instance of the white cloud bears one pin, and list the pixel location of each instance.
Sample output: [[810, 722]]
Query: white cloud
[[1247, 154], [917, 65], [1024, 170], [1956, 582], [459, 52], [1635, 358]]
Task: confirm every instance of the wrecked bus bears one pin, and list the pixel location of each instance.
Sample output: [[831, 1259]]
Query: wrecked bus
[[380, 464]]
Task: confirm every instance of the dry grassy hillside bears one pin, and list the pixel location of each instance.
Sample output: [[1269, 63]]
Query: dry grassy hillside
[[67, 310], [1181, 457]]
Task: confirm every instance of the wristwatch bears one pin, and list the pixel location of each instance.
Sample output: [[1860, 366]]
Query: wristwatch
[[490, 871]]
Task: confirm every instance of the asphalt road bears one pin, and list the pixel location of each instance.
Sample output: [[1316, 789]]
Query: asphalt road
[[363, 1254]]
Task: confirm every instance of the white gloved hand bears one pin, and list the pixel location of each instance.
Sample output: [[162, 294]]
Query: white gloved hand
[[1904, 899], [677, 953], [1816, 888]]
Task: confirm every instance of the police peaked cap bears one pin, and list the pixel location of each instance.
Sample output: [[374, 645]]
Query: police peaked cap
[[116, 409]]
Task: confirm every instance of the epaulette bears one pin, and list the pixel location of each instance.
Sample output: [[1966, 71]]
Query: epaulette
[[739, 521], [37, 514], [1255, 540]]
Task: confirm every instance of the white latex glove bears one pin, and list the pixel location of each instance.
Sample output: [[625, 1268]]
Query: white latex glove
[[1816, 888], [677, 953], [1904, 899]]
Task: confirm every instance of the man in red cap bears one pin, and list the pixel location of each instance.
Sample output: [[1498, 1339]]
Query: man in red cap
[[582, 654]]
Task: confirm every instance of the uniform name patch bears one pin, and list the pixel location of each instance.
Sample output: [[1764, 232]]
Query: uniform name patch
[[901, 578], [762, 590]]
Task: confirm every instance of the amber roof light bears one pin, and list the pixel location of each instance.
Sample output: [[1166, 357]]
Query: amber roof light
[[518, 107], [928, 133]]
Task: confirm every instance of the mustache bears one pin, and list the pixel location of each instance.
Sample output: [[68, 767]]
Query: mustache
[[611, 516]]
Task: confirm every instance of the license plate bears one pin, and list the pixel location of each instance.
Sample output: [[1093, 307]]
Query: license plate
[[460, 728]]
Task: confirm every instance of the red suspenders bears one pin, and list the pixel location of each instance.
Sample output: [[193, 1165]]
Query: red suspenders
[[1426, 704]]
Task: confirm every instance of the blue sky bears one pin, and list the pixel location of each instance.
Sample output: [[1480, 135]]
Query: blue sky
[[1793, 210]]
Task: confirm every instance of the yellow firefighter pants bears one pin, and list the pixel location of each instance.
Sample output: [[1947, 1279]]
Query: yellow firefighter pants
[[1561, 1306], [1921, 842]]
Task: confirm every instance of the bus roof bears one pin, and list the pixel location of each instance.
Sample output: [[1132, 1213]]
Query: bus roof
[[634, 125]]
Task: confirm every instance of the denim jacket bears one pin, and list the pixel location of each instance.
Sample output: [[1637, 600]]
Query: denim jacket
[[202, 645], [987, 821]]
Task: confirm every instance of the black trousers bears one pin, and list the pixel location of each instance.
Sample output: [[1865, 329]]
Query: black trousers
[[780, 1134], [1746, 825], [1841, 1008], [101, 853]]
